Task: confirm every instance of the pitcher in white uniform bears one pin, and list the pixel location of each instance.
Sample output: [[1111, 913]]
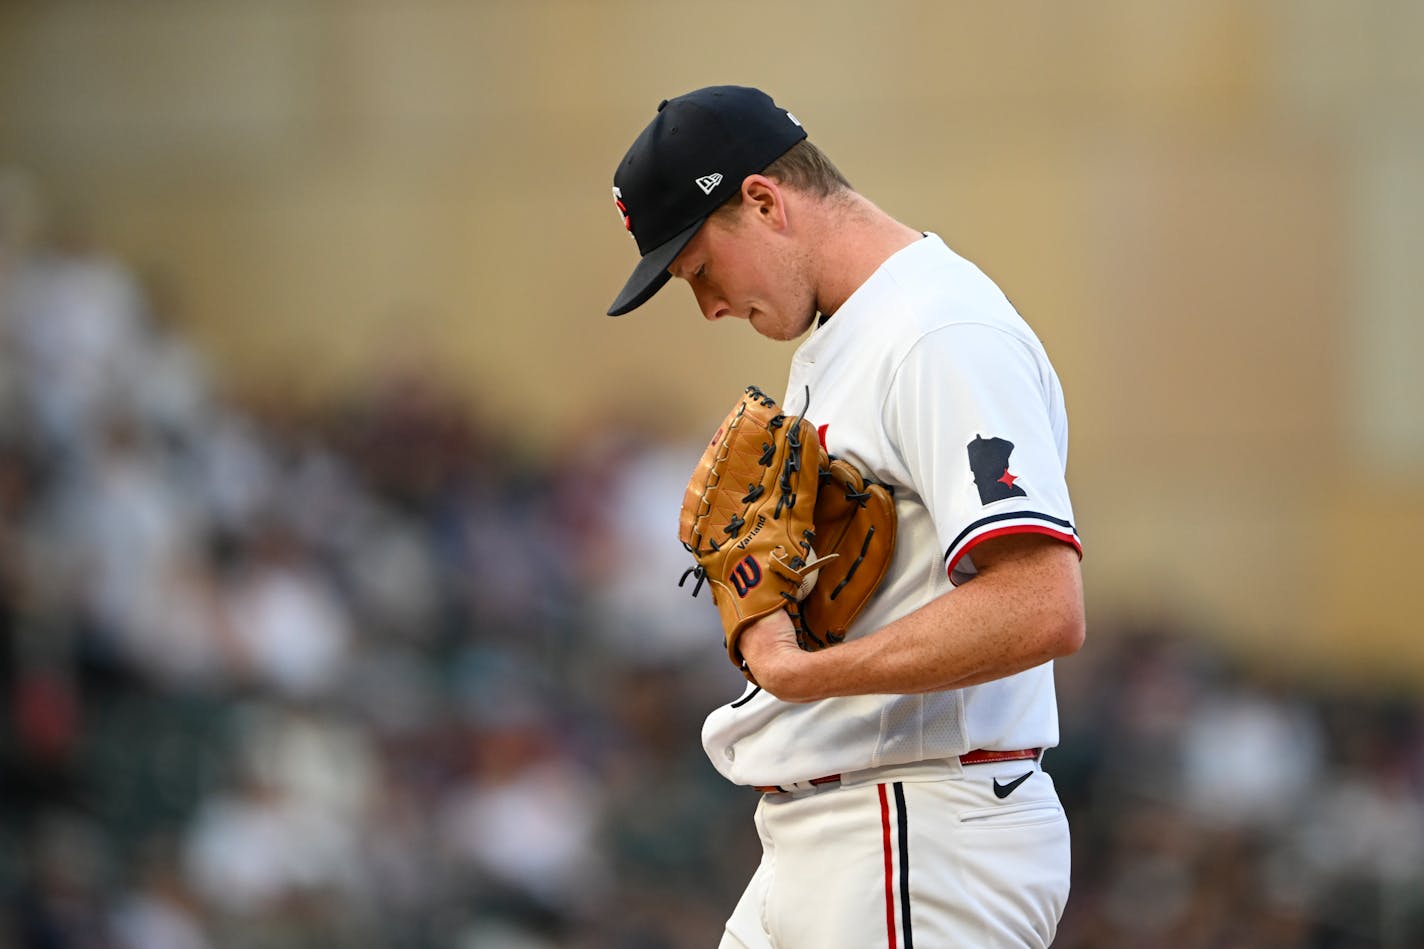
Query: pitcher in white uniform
[[904, 797]]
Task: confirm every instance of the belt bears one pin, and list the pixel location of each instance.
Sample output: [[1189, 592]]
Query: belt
[[978, 756]]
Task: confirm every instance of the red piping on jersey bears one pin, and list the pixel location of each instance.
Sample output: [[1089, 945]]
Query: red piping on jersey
[[1015, 529], [889, 867]]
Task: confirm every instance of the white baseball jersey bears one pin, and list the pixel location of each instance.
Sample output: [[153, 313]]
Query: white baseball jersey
[[926, 379]]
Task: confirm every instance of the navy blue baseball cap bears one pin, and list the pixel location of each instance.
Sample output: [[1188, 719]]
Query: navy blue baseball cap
[[690, 159]]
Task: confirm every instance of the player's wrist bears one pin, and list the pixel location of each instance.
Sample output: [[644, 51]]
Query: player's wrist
[[774, 660]]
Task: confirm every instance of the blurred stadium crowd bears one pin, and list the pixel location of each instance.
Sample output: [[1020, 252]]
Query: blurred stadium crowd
[[365, 678]]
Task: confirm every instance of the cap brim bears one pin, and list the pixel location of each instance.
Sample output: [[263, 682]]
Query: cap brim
[[652, 272]]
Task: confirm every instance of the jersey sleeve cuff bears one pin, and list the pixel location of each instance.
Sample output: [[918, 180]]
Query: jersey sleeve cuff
[[1010, 522]]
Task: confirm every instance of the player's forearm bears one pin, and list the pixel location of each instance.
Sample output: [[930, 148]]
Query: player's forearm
[[997, 625], [1006, 620]]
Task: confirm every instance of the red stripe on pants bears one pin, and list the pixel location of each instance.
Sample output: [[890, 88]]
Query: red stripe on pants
[[889, 868]]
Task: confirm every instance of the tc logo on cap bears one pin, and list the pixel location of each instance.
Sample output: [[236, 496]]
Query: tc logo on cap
[[622, 209]]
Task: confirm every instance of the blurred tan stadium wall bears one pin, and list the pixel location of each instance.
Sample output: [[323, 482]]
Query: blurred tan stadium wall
[[1210, 211]]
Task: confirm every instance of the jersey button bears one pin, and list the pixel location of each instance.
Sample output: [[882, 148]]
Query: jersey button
[[731, 753]]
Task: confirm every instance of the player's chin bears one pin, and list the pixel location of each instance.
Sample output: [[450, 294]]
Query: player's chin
[[783, 329]]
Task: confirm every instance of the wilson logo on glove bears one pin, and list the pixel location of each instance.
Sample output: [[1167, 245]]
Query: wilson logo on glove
[[745, 575]]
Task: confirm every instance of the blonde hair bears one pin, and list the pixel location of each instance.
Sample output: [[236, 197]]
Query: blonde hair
[[805, 168]]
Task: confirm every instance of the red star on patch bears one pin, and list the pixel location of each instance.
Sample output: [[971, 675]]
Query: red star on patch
[[1008, 478]]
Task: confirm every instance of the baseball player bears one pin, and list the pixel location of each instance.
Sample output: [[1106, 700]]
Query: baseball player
[[903, 796]]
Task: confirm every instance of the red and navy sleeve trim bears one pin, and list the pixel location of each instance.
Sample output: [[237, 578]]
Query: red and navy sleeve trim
[[1010, 522]]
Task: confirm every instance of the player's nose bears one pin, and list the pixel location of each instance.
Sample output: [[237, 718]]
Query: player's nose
[[713, 307]]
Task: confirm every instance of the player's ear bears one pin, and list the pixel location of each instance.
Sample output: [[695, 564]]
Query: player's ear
[[764, 197]]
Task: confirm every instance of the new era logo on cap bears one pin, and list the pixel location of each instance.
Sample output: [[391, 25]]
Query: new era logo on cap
[[708, 182]]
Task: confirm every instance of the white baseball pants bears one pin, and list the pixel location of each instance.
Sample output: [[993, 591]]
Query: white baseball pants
[[909, 857]]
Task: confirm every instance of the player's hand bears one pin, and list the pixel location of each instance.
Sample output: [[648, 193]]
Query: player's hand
[[773, 658]]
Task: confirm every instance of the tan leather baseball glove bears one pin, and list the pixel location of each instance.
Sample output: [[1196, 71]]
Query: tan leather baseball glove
[[855, 531], [747, 515]]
